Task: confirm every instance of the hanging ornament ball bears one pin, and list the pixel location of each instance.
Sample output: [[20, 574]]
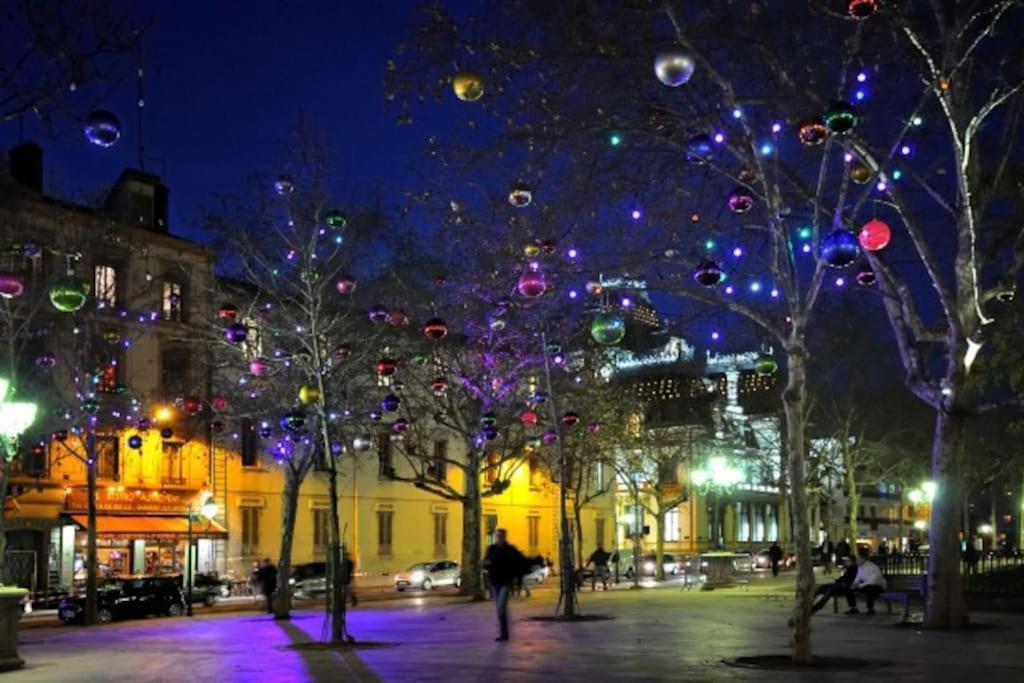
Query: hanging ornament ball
[[400, 425], [862, 9], [865, 276], [11, 284], [490, 433], [608, 328], [860, 173], [520, 195], [308, 394], [390, 403], [419, 359], [293, 421], [531, 249], [135, 441], [102, 128], [335, 219], [386, 367], [550, 436], [228, 312], [496, 324], [468, 85], [532, 283], [46, 361], [266, 432], [488, 419], [529, 418], [191, 405], [553, 348], [284, 185], [60, 435], [841, 117], [839, 248], [699, 147], [362, 443], [68, 294], [812, 132], [875, 235], [435, 328], [540, 397], [144, 424], [741, 200], [346, 284], [398, 317], [439, 385], [374, 416], [593, 427], [378, 314], [217, 426], [259, 366], [236, 333], [765, 365], [166, 433], [674, 66], [220, 403], [111, 336], [341, 351], [570, 418], [548, 247], [440, 281], [708, 274]]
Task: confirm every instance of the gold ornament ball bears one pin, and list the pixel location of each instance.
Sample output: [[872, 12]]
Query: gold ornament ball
[[468, 86], [309, 394], [860, 173]]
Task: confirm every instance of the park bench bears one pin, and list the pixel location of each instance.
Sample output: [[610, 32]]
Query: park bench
[[903, 588]]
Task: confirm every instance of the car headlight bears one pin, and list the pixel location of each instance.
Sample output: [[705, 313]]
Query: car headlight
[[291, 582], [648, 566], [417, 577]]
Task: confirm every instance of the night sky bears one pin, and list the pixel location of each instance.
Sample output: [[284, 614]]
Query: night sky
[[224, 84]]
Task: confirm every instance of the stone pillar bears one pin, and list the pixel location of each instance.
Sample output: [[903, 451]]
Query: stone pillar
[[10, 615]]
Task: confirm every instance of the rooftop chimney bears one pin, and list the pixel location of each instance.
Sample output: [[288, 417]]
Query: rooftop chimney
[[26, 165], [140, 199]]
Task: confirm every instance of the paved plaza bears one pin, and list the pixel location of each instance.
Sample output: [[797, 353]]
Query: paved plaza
[[659, 634]]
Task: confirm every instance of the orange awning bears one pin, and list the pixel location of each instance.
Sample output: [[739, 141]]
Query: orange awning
[[151, 526]]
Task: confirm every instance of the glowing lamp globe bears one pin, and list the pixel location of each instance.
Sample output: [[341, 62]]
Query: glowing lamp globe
[[11, 284], [860, 173], [259, 366], [308, 394], [228, 312], [608, 328], [386, 367], [529, 418], [520, 196], [875, 235], [741, 200], [102, 128], [570, 418], [839, 248], [68, 294], [335, 219], [708, 274], [390, 403], [674, 66], [765, 365], [468, 86], [15, 416], [865, 276], [532, 283], [236, 333], [812, 132], [841, 117], [135, 441], [346, 284], [284, 185], [435, 328], [862, 9]]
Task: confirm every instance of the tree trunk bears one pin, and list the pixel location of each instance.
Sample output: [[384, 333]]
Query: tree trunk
[[946, 606], [659, 546], [337, 588], [5, 469], [91, 596], [472, 558], [853, 503], [578, 523], [289, 505], [794, 397], [785, 534]]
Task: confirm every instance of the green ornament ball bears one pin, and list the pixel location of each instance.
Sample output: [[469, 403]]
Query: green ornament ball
[[608, 329], [69, 294]]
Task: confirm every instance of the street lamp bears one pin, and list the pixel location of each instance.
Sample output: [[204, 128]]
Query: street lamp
[[207, 510], [15, 418], [721, 476]]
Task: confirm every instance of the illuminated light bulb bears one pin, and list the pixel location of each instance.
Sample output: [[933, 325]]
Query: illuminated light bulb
[[572, 253], [755, 286], [916, 121], [881, 186], [840, 281], [615, 140], [847, 157], [729, 289], [736, 113], [861, 77], [626, 302], [806, 249], [776, 127], [905, 150], [860, 95], [635, 214], [737, 252], [572, 294], [709, 245], [805, 233], [897, 174], [715, 335], [775, 293], [766, 149], [719, 138]]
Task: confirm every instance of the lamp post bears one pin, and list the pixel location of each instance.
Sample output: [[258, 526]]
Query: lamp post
[[208, 510], [720, 476]]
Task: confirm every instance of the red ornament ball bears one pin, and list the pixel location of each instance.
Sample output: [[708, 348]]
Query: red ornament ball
[[532, 283], [346, 284], [862, 9], [386, 367], [228, 312], [191, 405], [11, 285], [398, 317], [220, 403], [435, 328], [439, 385], [570, 418], [741, 200], [529, 418], [875, 235]]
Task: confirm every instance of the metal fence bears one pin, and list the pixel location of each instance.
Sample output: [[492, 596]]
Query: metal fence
[[988, 573]]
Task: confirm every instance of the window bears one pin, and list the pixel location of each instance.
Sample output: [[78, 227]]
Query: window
[[668, 473], [533, 532], [250, 444], [490, 526], [250, 531], [384, 522], [535, 476], [171, 300], [175, 367], [438, 468], [634, 520], [672, 525], [173, 463], [31, 461], [599, 480], [105, 286], [321, 531], [385, 456], [743, 528], [440, 533], [599, 532], [491, 472], [107, 453]]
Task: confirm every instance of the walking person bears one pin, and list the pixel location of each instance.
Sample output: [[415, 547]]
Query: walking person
[[826, 556], [868, 582], [267, 575], [775, 556], [971, 555], [843, 549], [599, 558], [504, 564]]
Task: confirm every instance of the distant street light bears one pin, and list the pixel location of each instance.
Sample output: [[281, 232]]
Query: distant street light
[[985, 529], [720, 476], [15, 418]]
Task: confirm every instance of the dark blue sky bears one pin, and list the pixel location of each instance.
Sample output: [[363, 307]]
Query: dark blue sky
[[224, 84]]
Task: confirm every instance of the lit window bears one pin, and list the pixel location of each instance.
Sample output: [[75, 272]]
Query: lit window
[[170, 300], [672, 525], [105, 286]]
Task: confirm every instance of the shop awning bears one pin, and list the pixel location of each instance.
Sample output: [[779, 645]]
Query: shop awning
[[151, 526]]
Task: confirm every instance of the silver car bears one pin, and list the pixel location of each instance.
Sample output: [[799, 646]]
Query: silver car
[[429, 575]]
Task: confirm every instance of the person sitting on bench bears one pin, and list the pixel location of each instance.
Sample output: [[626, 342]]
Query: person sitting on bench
[[869, 582], [838, 588]]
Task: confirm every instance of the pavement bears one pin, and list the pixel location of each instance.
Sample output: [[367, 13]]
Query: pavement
[[651, 635]]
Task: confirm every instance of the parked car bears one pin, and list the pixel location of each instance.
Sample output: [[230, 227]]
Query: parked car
[[429, 575], [129, 597], [538, 572], [648, 565], [762, 561], [207, 590], [742, 561], [309, 580]]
